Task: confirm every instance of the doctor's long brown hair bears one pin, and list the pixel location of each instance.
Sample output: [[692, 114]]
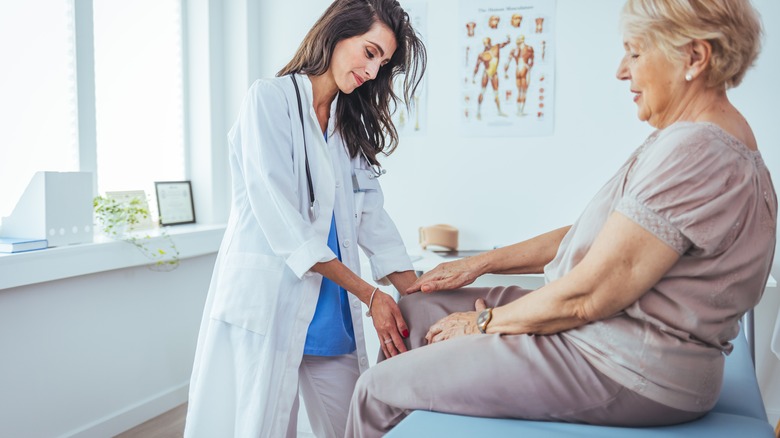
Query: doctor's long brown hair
[[363, 117]]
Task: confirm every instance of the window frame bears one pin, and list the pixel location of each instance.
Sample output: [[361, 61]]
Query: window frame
[[86, 133]]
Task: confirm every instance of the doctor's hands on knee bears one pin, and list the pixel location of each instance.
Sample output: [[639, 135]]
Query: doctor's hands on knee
[[389, 324], [447, 276], [456, 324]]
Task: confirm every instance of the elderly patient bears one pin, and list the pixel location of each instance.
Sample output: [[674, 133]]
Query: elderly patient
[[644, 292]]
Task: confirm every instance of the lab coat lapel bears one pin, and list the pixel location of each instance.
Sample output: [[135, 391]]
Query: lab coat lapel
[[320, 160]]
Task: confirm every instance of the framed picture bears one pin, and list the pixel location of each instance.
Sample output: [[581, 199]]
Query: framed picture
[[174, 202]]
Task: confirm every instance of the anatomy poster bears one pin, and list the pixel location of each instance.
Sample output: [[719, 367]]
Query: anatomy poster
[[508, 51], [412, 121]]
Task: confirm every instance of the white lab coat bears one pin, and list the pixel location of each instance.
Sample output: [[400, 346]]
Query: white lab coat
[[263, 295]]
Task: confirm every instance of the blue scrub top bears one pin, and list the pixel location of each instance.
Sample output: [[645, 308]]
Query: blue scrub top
[[330, 331]]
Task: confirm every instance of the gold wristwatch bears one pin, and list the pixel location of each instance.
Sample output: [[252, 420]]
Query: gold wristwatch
[[483, 319]]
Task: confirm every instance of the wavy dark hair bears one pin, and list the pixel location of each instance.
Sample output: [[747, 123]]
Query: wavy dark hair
[[364, 116]]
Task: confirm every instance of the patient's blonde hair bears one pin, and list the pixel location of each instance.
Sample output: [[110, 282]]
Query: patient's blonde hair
[[732, 27]]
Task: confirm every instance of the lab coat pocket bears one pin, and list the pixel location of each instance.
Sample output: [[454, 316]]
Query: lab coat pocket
[[362, 184], [248, 290], [364, 180]]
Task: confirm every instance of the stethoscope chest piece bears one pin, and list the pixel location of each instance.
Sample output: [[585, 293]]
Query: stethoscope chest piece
[[314, 210], [376, 169]]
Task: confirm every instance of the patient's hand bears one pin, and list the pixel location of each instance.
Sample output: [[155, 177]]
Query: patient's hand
[[447, 276], [457, 324]]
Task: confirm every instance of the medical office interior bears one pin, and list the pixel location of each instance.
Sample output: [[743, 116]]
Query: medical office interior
[[93, 342]]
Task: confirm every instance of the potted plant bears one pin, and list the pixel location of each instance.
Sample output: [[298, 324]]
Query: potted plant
[[121, 219]]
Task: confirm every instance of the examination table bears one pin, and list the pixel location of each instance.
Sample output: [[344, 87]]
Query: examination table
[[739, 412]]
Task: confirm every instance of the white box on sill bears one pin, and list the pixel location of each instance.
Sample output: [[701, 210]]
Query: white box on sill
[[56, 206]]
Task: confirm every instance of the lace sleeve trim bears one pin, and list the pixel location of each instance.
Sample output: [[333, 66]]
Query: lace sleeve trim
[[654, 223]]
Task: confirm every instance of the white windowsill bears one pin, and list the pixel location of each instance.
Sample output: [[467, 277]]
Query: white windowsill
[[33, 267]]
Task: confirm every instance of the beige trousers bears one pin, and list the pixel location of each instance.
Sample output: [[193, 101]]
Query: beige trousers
[[519, 376], [326, 383]]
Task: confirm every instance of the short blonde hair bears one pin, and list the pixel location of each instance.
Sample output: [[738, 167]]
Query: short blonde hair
[[732, 27]]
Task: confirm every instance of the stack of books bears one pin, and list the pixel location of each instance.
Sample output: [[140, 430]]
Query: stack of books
[[17, 244]]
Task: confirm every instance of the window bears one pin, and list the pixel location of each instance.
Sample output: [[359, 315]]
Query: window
[[38, 126], [138, 93], [138, 107]]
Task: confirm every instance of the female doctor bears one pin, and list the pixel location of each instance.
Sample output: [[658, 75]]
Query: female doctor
[[283, 311]]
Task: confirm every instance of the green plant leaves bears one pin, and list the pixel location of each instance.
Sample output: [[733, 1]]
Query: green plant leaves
[[116, 220]]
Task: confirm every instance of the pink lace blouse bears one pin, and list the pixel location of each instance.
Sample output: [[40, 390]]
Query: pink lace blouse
[[709, 197]]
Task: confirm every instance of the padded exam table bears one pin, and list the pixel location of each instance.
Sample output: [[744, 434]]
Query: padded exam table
[[739, 412]]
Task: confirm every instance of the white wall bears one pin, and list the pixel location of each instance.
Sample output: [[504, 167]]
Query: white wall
[[92, 356], [501, 190]]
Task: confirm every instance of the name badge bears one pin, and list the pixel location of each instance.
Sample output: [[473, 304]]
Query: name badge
[[362, 180]]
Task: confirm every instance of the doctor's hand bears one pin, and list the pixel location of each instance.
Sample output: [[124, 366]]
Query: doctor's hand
[[447, 276], [389, 324], [456, 324]]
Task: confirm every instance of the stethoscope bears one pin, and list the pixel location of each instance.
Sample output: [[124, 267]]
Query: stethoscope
[[376, 169]]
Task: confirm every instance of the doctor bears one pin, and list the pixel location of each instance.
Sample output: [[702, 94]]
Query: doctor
[[283, 312]]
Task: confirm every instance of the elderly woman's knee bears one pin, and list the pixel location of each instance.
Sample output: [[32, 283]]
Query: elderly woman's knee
[[363, 383], [370, 384], [411, 302]]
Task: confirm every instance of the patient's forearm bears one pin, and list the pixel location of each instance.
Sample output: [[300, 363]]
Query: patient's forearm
[[402, 280], [527, 257], [622, 264]]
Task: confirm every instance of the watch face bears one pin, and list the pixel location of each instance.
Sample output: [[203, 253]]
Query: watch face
[[484, 319]]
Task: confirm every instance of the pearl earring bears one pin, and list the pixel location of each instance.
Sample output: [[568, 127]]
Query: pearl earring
[[688, 76]]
